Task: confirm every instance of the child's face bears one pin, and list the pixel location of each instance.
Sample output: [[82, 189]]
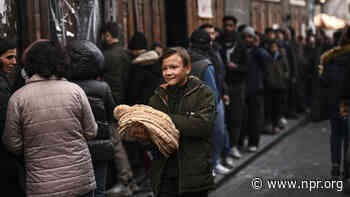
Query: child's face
[[174, 72]]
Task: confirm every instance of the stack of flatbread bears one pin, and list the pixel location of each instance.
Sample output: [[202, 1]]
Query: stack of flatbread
[[152, 125]]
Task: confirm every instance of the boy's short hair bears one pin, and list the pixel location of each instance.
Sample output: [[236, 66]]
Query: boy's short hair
[[182, 52]]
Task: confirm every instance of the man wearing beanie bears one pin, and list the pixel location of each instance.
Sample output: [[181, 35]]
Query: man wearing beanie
[[257, 60], [137, 44], [145, 77]]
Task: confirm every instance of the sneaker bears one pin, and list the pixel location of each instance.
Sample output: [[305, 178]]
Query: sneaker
[[220, 169], [229, 162], [284, 121], [119, 190], [235, 153], [252, 149], [276, 130]]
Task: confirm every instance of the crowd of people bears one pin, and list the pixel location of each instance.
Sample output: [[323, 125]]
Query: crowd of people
[[229, 87]]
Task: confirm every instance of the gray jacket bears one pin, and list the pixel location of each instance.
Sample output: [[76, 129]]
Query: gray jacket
[[49, 122]]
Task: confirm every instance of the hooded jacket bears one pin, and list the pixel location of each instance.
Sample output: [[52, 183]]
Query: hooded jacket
[[87, 63], [194, 118]]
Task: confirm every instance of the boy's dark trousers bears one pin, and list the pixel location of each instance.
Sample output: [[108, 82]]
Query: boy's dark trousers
[[169, 188]]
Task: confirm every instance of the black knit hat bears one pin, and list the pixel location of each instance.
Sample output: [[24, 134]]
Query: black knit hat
[[138, 41], [200, 37]]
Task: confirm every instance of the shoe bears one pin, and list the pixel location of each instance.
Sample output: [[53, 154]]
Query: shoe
[[235, 152], [119, 190], [281, 126], [134, 188], [229, 162], [276, 130], [269, 130], [220, 169], [252, 149], [284, 121]]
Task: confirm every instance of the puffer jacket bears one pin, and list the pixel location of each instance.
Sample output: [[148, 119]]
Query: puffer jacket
[[88, 64], [102, 105], [49, 123], [194, 118]]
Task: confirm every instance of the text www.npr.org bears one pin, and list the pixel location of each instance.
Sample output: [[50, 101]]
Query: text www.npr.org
[[309, 185]]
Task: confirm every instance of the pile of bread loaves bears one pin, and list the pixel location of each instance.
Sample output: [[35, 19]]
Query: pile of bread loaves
[[144, 123]]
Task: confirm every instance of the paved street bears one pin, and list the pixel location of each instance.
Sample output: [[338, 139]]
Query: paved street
[[304, 155]]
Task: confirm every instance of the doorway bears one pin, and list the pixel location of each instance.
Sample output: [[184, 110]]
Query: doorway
[[176, 23]]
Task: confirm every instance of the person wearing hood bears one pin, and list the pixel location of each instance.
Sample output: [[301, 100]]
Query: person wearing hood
[[203, 68], [87, 66]]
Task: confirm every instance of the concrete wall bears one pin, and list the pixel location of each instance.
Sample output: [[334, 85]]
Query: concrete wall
[[240, 9]]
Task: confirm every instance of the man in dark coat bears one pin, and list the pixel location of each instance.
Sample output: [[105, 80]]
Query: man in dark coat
[[234, 55], [116, 73], [257, 60], [191, 106], [117, 62]]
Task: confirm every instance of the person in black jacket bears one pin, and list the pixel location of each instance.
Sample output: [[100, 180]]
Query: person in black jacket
[[257, 60], [8, 55], [87, 63], [234, 55]]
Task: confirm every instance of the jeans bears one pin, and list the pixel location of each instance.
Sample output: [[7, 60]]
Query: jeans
[[220, 138], [100, 169]]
